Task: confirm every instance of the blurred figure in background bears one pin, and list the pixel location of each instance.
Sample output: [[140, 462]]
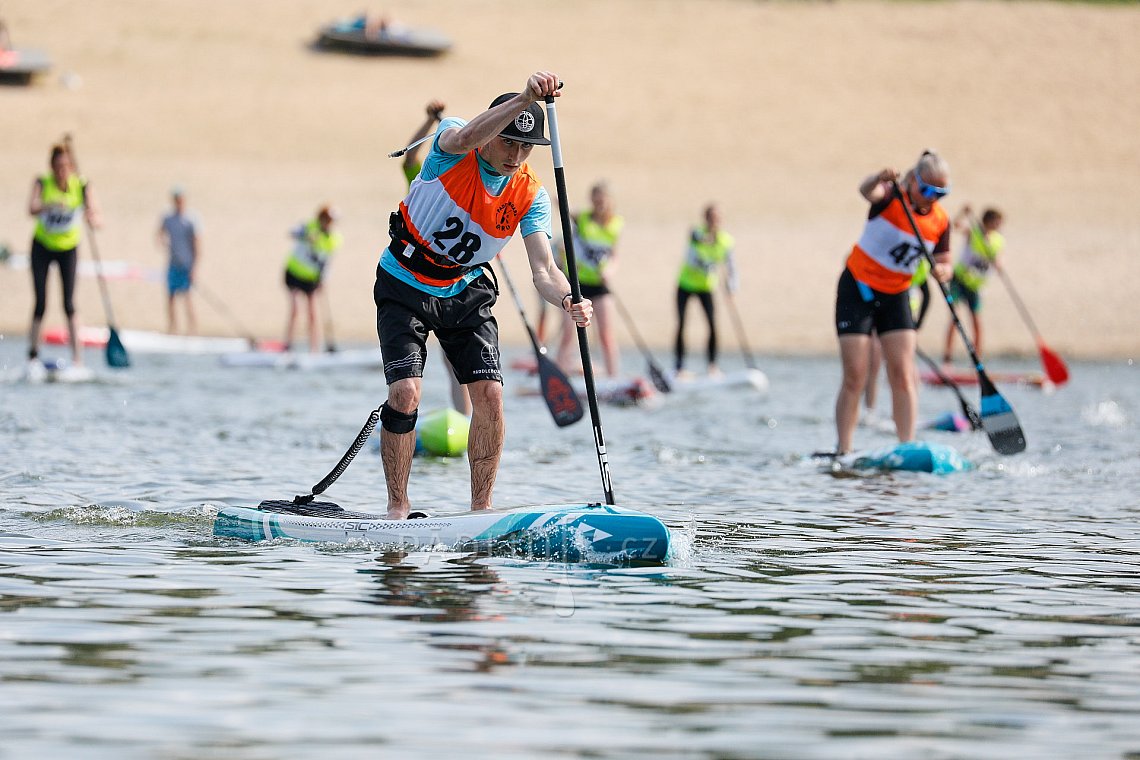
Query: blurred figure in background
[[178, 234], [315, 242], [57, 201], [710, 248], [980, 249], [596, 233]]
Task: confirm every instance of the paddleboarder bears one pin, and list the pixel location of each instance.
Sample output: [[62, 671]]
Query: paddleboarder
[[980, 249], [710, 248], [178, 234], [873, 291], [57, 200], [460, 399], [314, 243], [596, 232], [473, 192]]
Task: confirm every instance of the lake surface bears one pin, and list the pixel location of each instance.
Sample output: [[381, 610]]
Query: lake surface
[[992, 614]]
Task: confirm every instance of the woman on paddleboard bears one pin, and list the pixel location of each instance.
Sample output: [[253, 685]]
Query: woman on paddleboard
[[596, 233], [472, 193], [980, 251], [314, 243], [873, 292], [710, 248], [57, 201]]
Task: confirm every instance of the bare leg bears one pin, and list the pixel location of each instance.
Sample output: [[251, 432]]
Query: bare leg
[[485, 440], [875, 360], [291, 322], [397, 449], [314, 330], [948, 351], [898, 351], [977, 322], [604, 313], [460, 398], [171, 321], [191, 318], [854, 352]]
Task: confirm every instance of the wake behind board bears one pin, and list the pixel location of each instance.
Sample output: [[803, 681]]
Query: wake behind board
[[344, 359], [963, 376], [569, 533], [914, 456]]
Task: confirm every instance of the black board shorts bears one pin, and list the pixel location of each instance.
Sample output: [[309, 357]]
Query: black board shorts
[[858, 310], [593, 291], [293, 282], [463, 323]]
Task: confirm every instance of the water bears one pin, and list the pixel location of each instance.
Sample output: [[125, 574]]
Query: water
[[994, 614]]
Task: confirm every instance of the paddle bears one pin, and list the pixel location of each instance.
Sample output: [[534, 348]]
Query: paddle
[[998, 419], [330, 341], [116, 352], [738, 325], [971, 414], [576, 297], [559, 395], [217, 305], [655, 373], [1054, 365]]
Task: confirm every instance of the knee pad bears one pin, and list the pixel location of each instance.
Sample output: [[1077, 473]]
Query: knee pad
[[397, 422]]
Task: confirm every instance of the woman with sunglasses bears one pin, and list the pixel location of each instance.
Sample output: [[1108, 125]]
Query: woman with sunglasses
[[873, 292]]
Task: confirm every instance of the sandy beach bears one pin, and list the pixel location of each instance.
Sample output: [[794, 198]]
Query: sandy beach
[[776, 111]]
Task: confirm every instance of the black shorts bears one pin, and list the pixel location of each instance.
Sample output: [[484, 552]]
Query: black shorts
[[463, 323], [962, 293], [296, 283], [857, 313], [593, 291]]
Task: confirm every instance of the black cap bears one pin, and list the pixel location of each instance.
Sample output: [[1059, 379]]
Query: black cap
[[527, 126]]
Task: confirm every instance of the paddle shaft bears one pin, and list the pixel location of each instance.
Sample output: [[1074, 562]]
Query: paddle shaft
[[738, 323], [654, 369], [104, 292], [402, 151], [576, 297], [969, 411], [539, 349], [221, 308]]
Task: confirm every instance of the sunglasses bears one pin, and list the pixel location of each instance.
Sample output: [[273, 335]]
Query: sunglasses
[[930, 192]]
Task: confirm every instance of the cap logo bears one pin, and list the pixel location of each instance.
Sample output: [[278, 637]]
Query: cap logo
[[524, 122]]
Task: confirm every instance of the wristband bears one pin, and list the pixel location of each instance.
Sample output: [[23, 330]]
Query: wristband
[[563, 301]]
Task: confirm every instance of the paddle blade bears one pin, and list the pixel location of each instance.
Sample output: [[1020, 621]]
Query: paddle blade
[[998, 419], [658, 377], [1054, 365], [117, 355], [560, 397]]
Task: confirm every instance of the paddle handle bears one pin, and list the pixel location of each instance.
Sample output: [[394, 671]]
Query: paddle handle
[[576, 297]]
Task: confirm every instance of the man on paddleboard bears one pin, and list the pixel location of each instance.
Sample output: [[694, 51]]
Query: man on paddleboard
[[178, 234], [873, 292], [472, 193]]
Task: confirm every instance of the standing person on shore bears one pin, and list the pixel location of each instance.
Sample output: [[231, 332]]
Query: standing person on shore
[[315, 242], [474, 190], [980, 251], [460, 399], [596, 233], [710, 248], [178, 234], [874, 289], [57, 200]]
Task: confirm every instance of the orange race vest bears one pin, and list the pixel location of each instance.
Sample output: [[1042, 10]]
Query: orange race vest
[[456, 224], [887, 254]]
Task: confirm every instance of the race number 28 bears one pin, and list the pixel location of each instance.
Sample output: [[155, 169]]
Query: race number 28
[[465, 248]]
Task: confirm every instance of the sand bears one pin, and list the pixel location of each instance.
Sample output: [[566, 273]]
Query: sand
[[775, 111]]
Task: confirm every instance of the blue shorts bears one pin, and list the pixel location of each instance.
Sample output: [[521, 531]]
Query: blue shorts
[[960, 293], [177, 280]]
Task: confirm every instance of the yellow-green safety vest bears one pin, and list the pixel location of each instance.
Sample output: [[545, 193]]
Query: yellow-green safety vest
[[57, 225], [980, 252], [699, 271], [595, 245], [312, 251]]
